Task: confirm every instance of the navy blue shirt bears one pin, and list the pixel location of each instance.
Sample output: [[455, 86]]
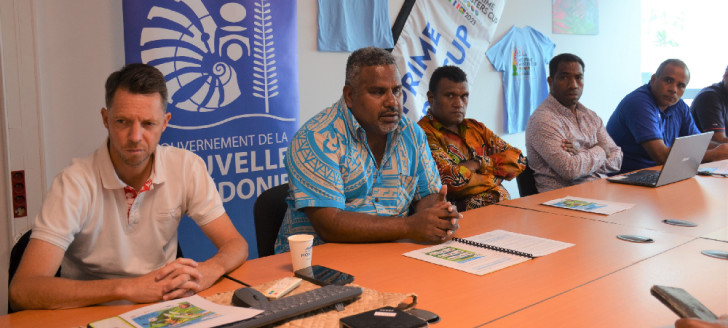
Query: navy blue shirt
[[638, 119], [710, 108]]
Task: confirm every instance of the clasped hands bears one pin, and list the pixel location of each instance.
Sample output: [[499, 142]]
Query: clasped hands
[[437, 222], [179, 278]]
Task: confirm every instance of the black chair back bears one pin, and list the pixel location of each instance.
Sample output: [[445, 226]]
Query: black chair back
[[17, 253], [526, 182], [268, 212]]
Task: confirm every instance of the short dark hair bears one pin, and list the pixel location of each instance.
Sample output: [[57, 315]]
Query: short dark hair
[[565, 57], [452, 73], [672, 61], [137, 78], [369, 56]]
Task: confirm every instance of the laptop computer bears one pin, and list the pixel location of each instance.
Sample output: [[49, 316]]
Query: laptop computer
[[682, 163]]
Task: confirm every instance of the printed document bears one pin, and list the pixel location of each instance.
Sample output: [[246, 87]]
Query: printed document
[[189, 312], [589, 205], [488, 252]]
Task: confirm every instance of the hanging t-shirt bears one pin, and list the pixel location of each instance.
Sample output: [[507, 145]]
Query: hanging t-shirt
[[350, 25], [523, 56]]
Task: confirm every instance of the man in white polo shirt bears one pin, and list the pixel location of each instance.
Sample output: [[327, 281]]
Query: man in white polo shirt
[[110, 220]]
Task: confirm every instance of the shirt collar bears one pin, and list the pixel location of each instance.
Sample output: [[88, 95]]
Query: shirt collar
[[668, 111], [553, 103], [109, 178], [439, 127]]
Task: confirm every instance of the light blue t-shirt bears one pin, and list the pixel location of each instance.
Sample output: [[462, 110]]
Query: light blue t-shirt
[[350, 25], [522, 55]]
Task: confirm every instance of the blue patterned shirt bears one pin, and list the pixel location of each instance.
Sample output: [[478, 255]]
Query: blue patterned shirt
[[329, 164]]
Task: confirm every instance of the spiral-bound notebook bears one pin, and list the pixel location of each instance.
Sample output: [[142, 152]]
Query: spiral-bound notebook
[[488, 252]]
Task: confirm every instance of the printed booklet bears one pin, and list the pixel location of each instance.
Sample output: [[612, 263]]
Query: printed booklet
[[488, 252], [589, 205], [193, 311]]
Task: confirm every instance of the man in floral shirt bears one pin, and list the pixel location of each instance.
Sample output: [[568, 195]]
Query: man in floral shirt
[[471, 159]]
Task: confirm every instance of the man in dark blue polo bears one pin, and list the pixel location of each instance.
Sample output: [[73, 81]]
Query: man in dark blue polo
[[647, 121]]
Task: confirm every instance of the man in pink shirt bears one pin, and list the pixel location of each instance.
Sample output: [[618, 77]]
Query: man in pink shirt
[[566, 142]]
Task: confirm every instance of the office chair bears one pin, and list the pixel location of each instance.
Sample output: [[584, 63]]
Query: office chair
[[526, 182], [268, 213], [16, 254]]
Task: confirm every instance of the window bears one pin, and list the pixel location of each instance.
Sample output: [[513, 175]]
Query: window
[[693, 31]]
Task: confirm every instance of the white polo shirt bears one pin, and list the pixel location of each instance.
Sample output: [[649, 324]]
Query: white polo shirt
[[85, 213]]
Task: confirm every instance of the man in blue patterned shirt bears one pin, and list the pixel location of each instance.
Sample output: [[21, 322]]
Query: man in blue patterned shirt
[[360, 171]]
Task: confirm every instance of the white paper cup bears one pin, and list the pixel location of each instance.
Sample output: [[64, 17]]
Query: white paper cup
[[301, 251]]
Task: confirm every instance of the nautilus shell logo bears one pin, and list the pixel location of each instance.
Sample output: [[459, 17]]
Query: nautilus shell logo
[[216, 61]]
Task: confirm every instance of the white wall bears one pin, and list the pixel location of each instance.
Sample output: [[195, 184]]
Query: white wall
[[19, 125], [611, 60], [80, 42], [20, 101], [6, 226]]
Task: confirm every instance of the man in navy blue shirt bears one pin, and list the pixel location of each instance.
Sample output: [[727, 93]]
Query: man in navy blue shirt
[[647, 121], [710, 109]]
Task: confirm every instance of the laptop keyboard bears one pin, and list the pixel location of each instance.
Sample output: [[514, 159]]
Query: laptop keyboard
[[645, 177]]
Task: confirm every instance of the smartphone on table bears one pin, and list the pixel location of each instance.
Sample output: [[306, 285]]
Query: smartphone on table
[[682, 303], [322, 276]]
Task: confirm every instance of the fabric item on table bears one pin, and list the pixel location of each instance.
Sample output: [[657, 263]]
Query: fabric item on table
[[370, 299]]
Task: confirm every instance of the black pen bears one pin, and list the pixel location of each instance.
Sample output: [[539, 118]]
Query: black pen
[[708, 173], [236, 280]]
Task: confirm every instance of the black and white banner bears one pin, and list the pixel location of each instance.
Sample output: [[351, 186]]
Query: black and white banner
[[438, 33]]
